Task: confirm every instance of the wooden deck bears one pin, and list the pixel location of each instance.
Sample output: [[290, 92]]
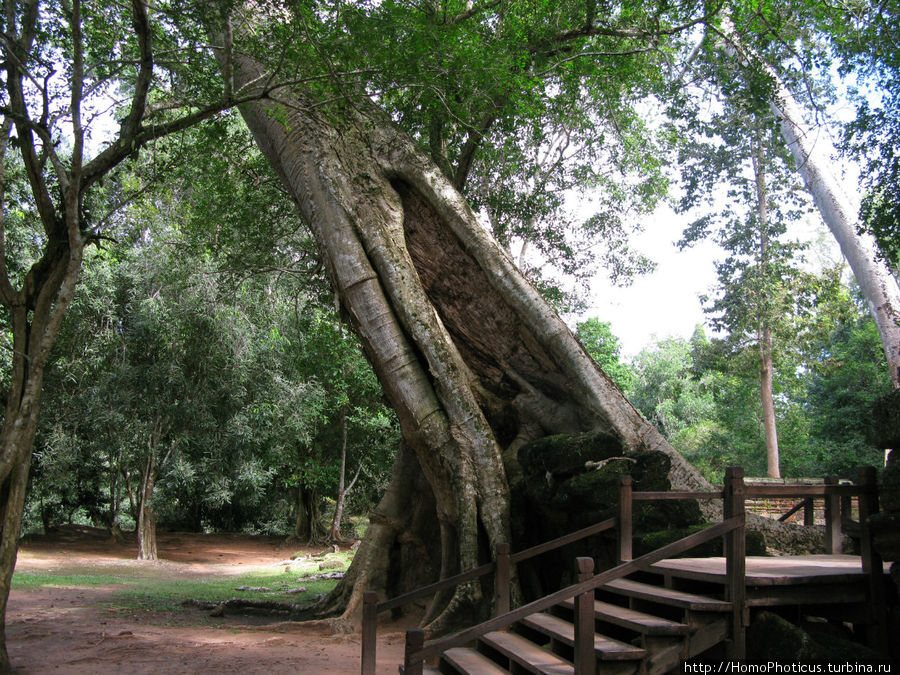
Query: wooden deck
[[783, 580]]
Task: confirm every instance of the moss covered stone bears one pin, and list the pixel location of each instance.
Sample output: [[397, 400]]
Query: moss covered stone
[[572, 481], [772, 638], [566, 454], [650, 541]]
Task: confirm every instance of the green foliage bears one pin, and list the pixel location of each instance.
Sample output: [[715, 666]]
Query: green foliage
[[708, 406], [604, 348], [666, 389], [210, 353], [517, 105], [846, 379], [866, 42]]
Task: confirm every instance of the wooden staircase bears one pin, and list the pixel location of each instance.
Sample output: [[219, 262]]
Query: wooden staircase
[[630, 618], [639, 628]]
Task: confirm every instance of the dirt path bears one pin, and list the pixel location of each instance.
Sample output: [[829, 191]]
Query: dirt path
[[76, 630]]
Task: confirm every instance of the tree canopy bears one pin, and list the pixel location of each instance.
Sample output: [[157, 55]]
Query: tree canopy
[[434, 152]]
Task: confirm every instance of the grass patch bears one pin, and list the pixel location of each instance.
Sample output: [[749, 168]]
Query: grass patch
[[26, 580], [167, 594]]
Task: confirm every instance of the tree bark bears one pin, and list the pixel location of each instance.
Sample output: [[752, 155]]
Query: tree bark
[[146, 529], [308, 526], [35, 313], [471, 358], [773, 465], [12, 503], [334, 534], [764, 334]]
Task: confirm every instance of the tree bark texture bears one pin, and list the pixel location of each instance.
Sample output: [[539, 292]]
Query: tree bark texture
[[764, 334], [308, 526], [146, 529], [773, 464], [471, 358], [35, 312]]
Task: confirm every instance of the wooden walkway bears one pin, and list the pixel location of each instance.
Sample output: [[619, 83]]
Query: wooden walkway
[[782, 580], [772, 571], [675, 608]]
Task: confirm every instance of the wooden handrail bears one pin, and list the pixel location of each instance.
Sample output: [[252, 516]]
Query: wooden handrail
[[436, 647], [487, 568], [577, 535], [734, 494], [667, 496], [372, 608], [802, 490], [431, 589]]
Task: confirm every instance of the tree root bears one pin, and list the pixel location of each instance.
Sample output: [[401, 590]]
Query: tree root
[[284, 610]]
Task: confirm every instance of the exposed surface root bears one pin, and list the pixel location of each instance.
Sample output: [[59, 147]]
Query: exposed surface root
[[264, 607]]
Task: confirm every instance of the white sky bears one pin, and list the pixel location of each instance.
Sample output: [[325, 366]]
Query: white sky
[[665, 302]]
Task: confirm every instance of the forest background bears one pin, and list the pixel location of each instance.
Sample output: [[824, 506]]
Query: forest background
[[200, 375]]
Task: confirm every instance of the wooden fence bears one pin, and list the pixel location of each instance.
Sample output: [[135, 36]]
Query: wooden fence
[[734, 494]]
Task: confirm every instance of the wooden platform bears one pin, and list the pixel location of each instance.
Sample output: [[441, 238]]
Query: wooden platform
[[770, 571], [782, 580]]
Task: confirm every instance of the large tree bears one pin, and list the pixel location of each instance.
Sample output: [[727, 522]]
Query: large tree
[[471, 357]]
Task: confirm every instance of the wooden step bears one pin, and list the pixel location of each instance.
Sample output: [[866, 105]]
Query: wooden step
[[667, 596], [526, 654], [646, 624], [471, 662], [564, 631]]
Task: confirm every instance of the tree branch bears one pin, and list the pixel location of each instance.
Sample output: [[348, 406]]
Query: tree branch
[[18, 110], [7, 293], [473, 142], [471, 11], [593, 30]]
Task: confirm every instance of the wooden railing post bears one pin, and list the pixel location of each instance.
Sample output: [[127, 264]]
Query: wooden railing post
[[415, 640], [501, 580], [873, 566], [834, 538], [625, 519], [369, 628], [736, 560], [585, 656], [809, 512]]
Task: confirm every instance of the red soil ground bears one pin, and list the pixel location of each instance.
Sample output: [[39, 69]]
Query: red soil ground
[[75, 630]]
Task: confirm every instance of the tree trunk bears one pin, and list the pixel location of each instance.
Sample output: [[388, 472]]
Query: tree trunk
[[764, 334], [115, 495], [12, 503], [301, 519], [308, 526], [773, 466], [35, 314], [334, 534], [878, 285], [471, 358], [146, 529]]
